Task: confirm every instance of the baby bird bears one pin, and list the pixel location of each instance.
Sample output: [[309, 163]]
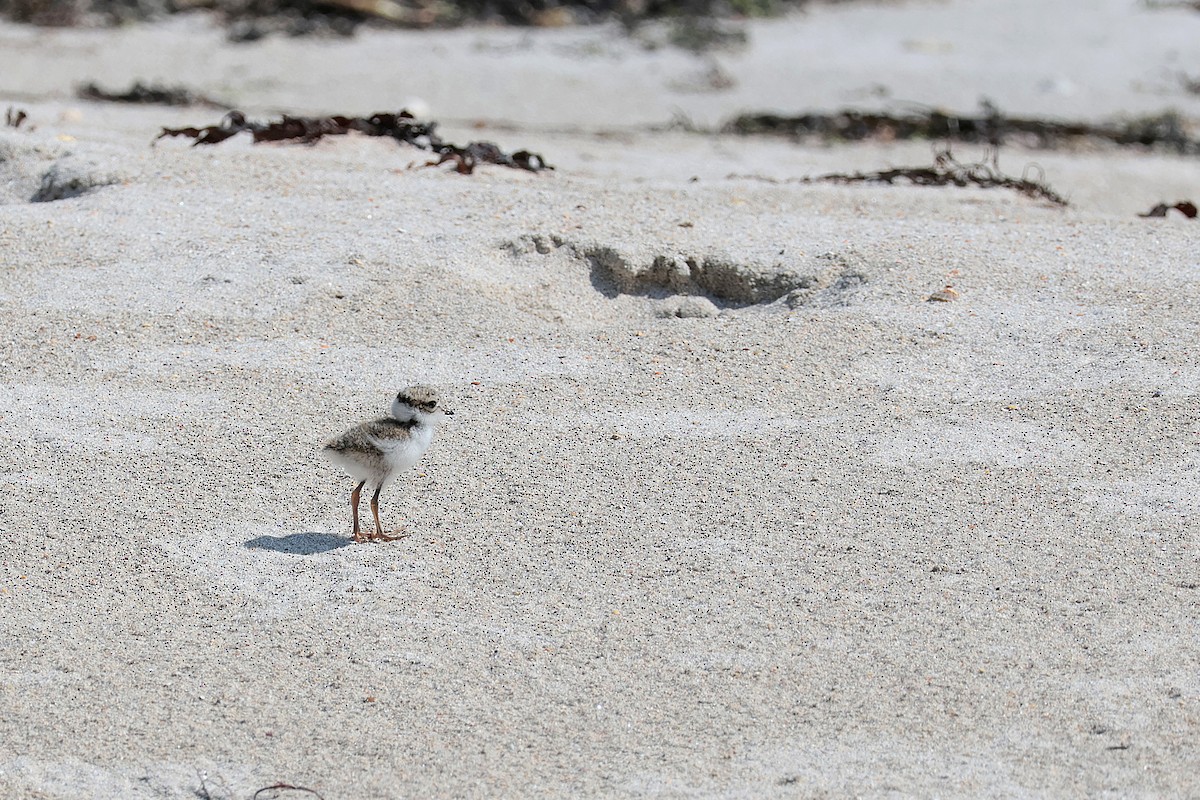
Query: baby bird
[[379, 450]]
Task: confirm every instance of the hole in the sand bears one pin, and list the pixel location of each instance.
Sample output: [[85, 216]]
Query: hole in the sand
[[827, 280]]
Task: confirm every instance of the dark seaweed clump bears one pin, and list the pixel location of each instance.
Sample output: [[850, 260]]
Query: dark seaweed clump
[[251, 19], [1168, 131], [143, 93], [402, 127]]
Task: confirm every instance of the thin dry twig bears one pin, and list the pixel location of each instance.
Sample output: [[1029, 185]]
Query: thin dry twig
[[287, 787]]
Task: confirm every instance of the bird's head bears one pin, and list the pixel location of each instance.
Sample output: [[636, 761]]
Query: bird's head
[[418, 403]]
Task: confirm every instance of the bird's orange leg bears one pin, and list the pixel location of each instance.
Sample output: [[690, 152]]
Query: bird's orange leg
[[358, 537], [379, 534]]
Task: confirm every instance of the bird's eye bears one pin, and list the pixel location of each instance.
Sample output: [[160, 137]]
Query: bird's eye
[[433, 405]]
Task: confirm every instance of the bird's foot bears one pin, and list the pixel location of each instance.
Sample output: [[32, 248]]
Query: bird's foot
[[380, 536]]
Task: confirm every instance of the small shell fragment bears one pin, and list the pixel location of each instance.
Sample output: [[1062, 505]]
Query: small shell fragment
[[943, 295]]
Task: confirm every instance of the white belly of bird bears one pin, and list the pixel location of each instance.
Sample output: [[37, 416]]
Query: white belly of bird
[[401, 454], [355, 467]]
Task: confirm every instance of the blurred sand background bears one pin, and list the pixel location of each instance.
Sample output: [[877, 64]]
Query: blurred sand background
[[822, 539]]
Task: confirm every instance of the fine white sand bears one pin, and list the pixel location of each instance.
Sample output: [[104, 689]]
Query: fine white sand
[[828, 540]]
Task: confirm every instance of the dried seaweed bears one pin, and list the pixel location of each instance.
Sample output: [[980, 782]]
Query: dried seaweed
[[947, 171], [465, 158], [149, 94], [402, 127], [1167, 130], [15, 117], [1194, 5], [247, 20], [1185, 207]]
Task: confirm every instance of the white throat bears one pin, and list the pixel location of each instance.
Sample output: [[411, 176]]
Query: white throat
[[405, 412]]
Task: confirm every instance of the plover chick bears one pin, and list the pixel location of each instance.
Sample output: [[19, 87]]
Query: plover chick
[[377, 451]]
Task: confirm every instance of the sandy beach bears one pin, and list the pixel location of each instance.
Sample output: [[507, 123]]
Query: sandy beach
[[727, 507]]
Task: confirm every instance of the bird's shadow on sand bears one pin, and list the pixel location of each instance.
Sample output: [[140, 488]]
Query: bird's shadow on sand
[[300, 544]]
